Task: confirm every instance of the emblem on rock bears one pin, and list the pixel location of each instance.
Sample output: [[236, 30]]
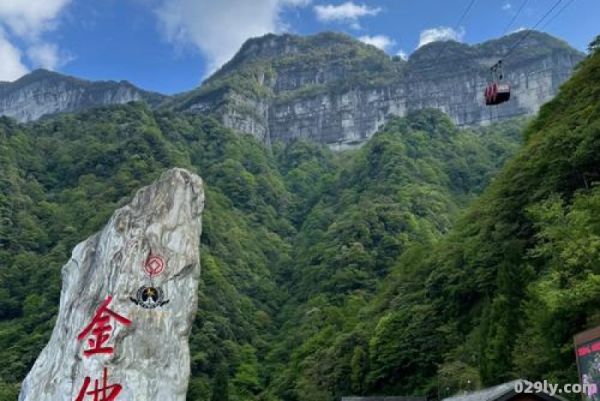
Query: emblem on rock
[[149, 297], [154, 265]]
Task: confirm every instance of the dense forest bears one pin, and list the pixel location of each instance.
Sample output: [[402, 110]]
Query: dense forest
[[430, 258]]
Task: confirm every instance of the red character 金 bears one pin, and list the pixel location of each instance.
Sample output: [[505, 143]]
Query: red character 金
[[100, 329], [104, 393]]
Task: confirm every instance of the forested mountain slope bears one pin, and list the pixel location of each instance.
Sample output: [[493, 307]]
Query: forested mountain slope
[[405, 187], [499, 297], [61, 179], [270, 215]]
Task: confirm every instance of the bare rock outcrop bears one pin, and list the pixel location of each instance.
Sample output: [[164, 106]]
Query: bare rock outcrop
[[128, 300]]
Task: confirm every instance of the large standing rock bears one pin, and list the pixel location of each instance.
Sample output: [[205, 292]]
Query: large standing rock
[[147, 260]]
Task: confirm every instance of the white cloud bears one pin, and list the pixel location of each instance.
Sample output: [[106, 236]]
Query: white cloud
[[11, 67], [506, 6], [29, 18], [519, 29], [356, 26], [382, 42], [297, 3], [46, 55], [439, 34], [218, 28], [346, 12], [402, 54]]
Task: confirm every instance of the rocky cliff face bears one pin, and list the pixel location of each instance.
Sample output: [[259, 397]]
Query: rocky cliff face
[[329, 87], [43, 92], [127, 304], [335, 90]]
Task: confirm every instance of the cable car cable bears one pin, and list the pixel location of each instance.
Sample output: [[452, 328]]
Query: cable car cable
[[513, 47], [497, 92], [514, 18], [557, 14], [460, 20], [464, 14]]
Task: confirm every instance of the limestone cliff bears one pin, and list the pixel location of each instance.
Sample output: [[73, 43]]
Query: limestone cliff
[[128, 299], [329, 87], [44, 92], [333, 89]]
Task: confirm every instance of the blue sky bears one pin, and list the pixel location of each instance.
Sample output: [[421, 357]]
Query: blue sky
[[169, 46]]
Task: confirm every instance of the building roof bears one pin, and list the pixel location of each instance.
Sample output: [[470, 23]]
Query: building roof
[[501, 392], [487, 394], [383, 398]]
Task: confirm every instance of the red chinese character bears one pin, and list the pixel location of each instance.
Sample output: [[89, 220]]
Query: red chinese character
[[100, 329], [104, 393], [583, 351]]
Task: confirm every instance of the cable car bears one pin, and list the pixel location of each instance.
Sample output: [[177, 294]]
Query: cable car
[[497, 91]]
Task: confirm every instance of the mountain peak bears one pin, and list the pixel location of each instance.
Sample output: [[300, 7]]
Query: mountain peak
[[334, 89], [43, 72], [38, 73], [271, 46], [266, 45], [43, 92], [514, 47]]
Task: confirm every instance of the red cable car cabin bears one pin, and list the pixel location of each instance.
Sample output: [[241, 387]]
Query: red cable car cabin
[[496, 92]]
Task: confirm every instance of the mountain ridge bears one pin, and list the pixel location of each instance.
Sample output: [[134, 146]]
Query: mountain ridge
[[334, 89], [42, 92], [328, 87]]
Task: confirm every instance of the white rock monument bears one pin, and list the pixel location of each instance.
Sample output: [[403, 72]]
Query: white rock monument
[[127, 304]]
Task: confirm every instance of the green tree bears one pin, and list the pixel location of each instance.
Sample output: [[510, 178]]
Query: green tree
[[594, 45], [359, 364], [220, 387]]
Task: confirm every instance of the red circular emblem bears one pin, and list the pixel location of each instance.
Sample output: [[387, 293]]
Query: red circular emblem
[[154, 265]]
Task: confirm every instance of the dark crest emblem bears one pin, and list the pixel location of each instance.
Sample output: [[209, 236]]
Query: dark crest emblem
[[149, 297]]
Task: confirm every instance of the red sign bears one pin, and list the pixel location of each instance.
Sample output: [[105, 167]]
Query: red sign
[[101, 391], [154, 265], [587, 351], [100, 329]]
